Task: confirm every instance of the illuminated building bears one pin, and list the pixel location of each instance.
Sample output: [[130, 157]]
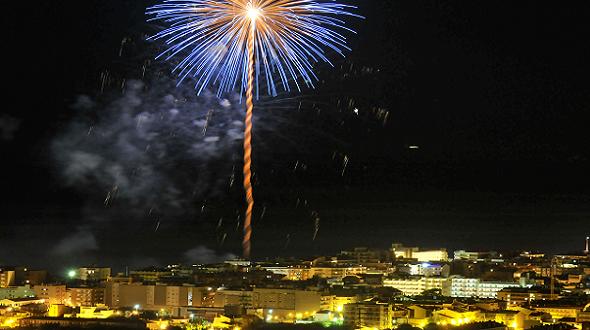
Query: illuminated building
[[95, 312], [52, 294], [20, 302], [225, 297], [428, 269], [277, 304], [172, 298], [283, 302], [57, 310], [369, 314], [15, 292], [523, 296], [7, 278], [584, 316], [335, 303], [532, 255], [364, 256], [336, 272], [150, 275], [290, 273], [475, 287], [431, 255], [416, 285], [92, 274], [559, 312], [455, 317], [474, 255], [85, 296], [403, 252]]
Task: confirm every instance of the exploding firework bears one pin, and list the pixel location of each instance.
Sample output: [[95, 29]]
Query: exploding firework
[[238, 43]]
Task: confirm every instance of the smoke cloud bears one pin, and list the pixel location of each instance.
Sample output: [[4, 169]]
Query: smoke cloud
[[78, 243], [155, 147], [202, 254]]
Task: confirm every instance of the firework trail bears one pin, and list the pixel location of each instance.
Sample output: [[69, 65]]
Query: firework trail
[[232, 43]]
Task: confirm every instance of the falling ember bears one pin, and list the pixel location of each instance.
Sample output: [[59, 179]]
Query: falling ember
[[111, 195], [316, 224], [345, 165], [234, 42], [263, 213]]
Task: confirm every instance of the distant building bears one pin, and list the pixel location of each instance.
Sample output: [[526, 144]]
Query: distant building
[[416, 285], [286, 300], [93, 274], [532, 255], [475, 287], [368, 315], [429, 269], [399, 251], [95, 312], [560, 312], [150, 275], [52, 294], [19, 302], [431, 255], [523, 296], [7, 278], [290, 273], [86, 296], [474, 255], [336, 272], [26, 276], [403, 252], [364, 255], [335, 303], [173, 298], [16, 292], [277, 305]]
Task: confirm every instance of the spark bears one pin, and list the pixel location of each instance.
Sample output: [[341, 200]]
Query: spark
[[345, 165], [316, 222], [263, 213]]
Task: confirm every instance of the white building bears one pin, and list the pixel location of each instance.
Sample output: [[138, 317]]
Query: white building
[[474, 287], [429, 269], [416, 285]]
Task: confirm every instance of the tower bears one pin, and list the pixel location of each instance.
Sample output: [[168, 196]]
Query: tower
[[587, 251]]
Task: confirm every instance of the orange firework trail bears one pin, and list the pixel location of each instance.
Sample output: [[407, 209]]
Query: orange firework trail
[[246, 245]]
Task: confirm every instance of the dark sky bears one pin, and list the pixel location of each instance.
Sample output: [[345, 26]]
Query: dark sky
[[495, 94]]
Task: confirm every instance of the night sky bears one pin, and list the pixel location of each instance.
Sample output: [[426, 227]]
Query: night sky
[[495, 94]]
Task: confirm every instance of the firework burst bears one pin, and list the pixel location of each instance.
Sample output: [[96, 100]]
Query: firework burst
[[233, 43], [211, 36]]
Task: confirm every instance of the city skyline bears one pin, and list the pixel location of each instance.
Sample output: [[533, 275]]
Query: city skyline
[[449, 124]]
